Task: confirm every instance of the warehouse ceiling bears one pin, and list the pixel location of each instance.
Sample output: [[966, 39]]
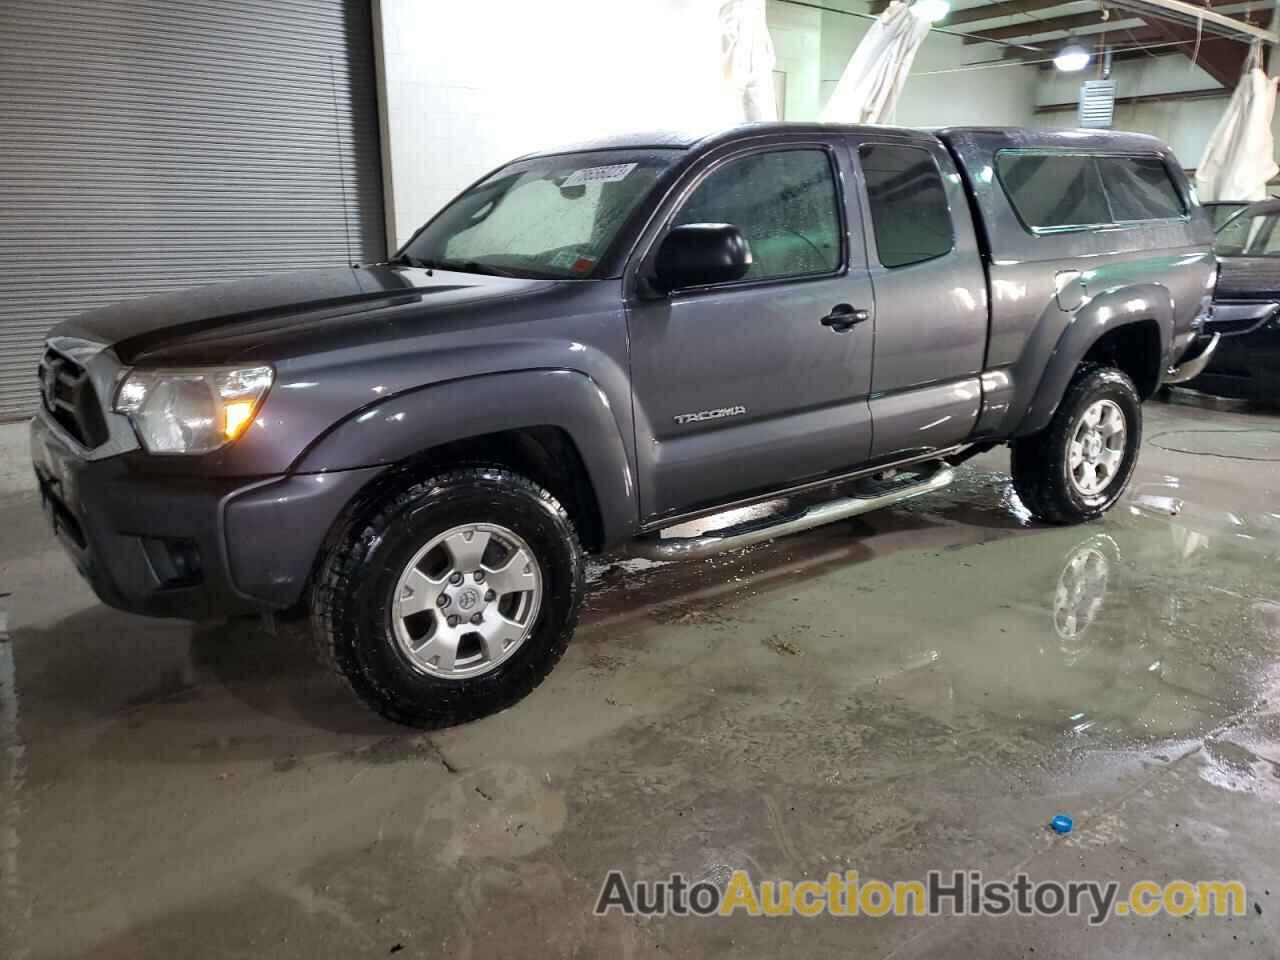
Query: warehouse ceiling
[[1032, 30]]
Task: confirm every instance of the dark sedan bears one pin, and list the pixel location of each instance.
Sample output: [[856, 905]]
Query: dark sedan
[[1246, 307]]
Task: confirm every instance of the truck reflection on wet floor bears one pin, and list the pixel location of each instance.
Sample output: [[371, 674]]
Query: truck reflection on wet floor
[[1146, 625]]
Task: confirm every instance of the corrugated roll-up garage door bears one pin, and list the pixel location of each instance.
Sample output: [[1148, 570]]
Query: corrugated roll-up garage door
[[149, 145]]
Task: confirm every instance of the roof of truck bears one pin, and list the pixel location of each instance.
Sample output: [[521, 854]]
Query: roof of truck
[[1064, 138], [683, 139]]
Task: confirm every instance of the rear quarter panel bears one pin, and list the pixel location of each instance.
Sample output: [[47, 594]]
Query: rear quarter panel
[[1160, 270]]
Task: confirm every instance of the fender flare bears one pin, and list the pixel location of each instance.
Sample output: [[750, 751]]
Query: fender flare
[[397, 428], [1100, 315]]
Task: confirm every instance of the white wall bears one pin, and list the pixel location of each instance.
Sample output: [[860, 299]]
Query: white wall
[[796, 33], [1183, 124], [813, 47], [939, 94], [936, 93], [469, 86]]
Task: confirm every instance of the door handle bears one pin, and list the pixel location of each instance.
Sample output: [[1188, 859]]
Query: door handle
[[844, 316]]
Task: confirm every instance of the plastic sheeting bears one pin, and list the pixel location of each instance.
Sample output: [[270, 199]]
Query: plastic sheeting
[[870, 86], [746, 56], [1239, 158]]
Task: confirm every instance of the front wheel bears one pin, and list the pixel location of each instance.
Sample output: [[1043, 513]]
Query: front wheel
[[452, 598], [1079, 465]]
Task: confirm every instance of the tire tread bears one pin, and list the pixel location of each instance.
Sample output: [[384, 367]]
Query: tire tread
[[1037, 477]]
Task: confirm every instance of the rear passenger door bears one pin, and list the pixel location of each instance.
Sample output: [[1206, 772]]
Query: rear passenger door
[[931, 296], [748, 386]]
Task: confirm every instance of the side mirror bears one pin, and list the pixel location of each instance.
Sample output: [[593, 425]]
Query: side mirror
[[697, 254]]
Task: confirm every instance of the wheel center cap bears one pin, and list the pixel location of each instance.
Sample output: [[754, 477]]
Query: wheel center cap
[[468, 599], [1092, 446]]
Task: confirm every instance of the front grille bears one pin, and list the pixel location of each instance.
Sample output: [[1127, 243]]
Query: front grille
[[67, 393]]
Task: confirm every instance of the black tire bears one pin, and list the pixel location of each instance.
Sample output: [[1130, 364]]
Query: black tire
[[1041, 472], [351, 603]]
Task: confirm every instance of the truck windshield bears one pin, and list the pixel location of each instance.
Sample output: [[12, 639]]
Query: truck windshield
[[548, 217]]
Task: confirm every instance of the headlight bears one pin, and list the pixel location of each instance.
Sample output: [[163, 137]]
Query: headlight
[[195, 410]]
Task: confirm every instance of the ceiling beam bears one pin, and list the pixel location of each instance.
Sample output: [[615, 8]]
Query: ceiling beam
[[1031, 28], [1215, 94], [988, 11], [1220, 57], [1150, 9], [1257, 22], [1243, 19], [1001, 8], [1137, 53], [1146, 53], [1124, 37]]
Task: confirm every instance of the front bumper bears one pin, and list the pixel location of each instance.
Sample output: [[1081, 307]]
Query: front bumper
[[195, 548]]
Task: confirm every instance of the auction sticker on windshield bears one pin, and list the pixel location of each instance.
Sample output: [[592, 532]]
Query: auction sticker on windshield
[[610, 173]]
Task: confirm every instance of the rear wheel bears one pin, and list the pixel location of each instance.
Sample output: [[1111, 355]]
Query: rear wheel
[[452, 598], [1080, 464]]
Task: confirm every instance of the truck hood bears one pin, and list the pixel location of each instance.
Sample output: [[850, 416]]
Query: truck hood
[[278, 314]]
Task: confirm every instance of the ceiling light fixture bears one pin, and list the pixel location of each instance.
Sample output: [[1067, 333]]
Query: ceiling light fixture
[[931, 11], [1072, 58]]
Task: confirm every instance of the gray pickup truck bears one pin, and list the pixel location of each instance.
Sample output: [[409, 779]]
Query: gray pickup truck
[[591, 346]]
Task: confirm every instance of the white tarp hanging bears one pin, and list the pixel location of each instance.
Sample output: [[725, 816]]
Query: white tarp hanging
[[870, 85], [747, 60], [1239, 158]]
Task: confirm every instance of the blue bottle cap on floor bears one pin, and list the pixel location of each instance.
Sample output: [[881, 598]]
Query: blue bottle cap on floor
[[1061, 823]]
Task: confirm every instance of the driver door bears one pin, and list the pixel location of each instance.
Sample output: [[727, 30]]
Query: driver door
[[749, 386]]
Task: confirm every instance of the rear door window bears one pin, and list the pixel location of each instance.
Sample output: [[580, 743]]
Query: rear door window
[[909, 211]]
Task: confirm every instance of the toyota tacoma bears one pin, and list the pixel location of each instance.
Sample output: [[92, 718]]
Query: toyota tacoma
[[589, 347]]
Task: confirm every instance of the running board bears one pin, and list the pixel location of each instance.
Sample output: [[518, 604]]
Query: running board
[[752, 532]]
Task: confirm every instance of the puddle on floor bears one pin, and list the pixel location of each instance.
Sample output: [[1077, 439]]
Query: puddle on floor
[[1157, 623], [1237, 444]]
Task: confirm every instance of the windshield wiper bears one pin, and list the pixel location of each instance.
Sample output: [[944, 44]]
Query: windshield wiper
[[470, 266], [411, 261], [458, 266]]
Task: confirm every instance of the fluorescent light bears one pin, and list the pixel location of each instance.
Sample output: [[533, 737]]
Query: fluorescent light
[[931, 11], [1072, 58]]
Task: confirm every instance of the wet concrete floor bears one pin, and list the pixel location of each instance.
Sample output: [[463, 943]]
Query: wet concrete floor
[[917, 689]]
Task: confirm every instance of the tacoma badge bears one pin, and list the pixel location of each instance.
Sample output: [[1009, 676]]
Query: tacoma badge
[[710, 414]]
